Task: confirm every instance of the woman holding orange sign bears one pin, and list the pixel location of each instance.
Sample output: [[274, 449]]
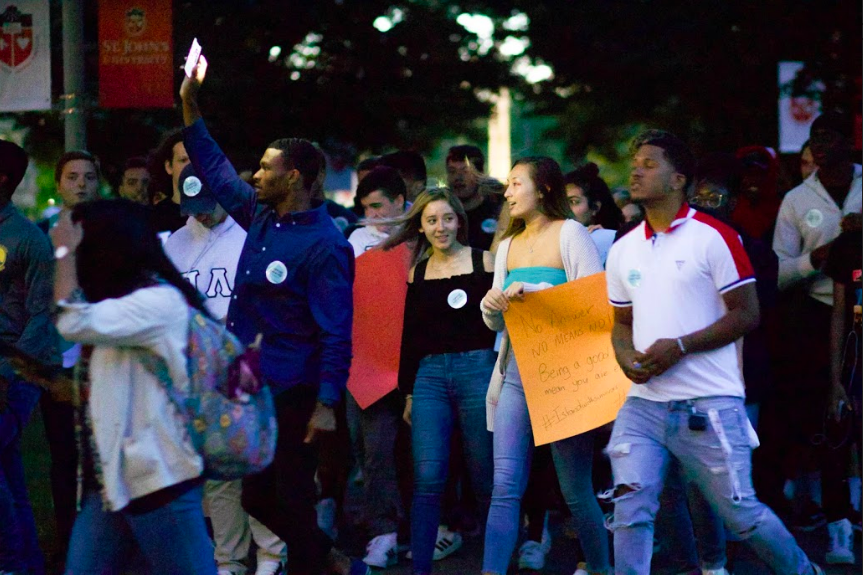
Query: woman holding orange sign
[[542, 247]]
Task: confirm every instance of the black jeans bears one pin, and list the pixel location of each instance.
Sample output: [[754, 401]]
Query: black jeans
[[283, 496], [59, 420], [794, 417]]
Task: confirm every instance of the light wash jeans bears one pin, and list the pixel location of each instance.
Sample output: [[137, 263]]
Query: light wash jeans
[[172, 538], [449, 391], [19, 549], [573, 460], [687, 528], [647, 436]]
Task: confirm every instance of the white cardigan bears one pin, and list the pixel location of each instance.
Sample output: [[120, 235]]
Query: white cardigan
[[580, 259], [140, 438]]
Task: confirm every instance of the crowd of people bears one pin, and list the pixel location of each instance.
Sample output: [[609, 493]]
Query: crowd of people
[[737, 316]]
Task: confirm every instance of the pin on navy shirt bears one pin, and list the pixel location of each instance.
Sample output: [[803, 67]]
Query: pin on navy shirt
[[294, 280]]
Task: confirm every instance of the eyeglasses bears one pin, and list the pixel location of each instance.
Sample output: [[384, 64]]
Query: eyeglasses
[[709, 200]]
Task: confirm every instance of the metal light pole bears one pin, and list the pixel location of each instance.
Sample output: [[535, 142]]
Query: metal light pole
[[73, 74]]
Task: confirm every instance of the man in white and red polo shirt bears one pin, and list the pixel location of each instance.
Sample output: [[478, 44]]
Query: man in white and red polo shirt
[[684, 293]]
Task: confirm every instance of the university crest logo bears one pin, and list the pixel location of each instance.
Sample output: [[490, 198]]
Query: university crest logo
[[136, 22], [16, 38]]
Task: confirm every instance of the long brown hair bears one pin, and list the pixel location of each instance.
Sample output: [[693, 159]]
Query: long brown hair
[[547, 177], [409, 225]]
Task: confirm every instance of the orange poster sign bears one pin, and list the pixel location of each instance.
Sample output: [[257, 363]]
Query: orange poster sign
[[380, 287], [561, 337], [136, 54]]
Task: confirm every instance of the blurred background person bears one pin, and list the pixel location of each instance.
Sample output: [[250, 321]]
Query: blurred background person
[[135, 180], [593, 206]]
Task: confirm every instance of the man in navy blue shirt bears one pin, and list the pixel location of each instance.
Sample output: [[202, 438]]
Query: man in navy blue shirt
[[293, 285]]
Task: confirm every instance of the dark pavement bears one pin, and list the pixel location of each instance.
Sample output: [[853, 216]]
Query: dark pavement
[[561, 560]]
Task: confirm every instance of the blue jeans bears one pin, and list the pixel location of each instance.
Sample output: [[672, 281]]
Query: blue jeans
[[172, 538], [19, 548], [647, 436], [450, 390], [573, 460], [693, 536]]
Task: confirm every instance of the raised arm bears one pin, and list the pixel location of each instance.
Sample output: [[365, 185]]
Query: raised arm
[[236, 196]]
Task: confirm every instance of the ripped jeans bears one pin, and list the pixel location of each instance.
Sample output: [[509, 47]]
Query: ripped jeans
[[647, 434]]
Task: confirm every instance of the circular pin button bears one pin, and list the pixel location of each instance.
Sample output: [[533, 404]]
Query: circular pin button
[[814, 218], [277, 272], [192, 186], [457, 299]]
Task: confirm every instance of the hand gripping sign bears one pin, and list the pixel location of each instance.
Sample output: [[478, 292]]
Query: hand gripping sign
[[561, 337]]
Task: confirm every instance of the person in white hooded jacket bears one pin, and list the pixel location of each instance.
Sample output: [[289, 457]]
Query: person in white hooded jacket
[[119, 296]]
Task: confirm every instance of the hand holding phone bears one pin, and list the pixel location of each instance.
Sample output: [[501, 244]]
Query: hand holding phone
[[192, 58]]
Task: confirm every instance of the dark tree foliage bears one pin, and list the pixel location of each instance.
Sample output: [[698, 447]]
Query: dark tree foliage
[[705, 69]]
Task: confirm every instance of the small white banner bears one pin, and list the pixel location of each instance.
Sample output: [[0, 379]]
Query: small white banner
[[799, 105], [25, 55]]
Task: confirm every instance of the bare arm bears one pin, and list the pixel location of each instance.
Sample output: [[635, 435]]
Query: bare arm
[[66, 236], [189, 92]]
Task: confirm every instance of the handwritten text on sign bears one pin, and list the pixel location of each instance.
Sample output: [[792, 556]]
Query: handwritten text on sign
[[561, 337]]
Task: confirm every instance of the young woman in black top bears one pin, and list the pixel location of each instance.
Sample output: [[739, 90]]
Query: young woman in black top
[[447, 358]]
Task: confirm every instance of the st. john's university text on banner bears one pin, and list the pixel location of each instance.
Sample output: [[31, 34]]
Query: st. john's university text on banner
[[136, 54]]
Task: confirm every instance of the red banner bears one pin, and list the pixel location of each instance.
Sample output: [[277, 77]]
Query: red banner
[[136, 51], [380, 286], [25, 55]]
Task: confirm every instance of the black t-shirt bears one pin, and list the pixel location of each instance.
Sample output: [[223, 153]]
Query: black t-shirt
[[845, 266], [482, 222], [166, 216]]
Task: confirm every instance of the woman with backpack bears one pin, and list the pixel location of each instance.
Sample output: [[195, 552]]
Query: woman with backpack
[[119, 295]]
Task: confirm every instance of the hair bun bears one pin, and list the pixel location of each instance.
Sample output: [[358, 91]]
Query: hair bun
[[591, 170]]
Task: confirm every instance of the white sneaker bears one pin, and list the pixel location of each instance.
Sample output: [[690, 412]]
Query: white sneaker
[[581, 569], [531, 556], [382, 551], [220, 572], [841, 550], [326, 509], [269, 567], [448, 542], [722, 571]]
